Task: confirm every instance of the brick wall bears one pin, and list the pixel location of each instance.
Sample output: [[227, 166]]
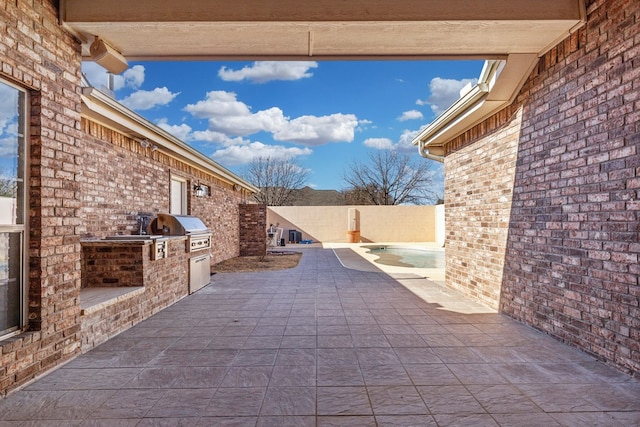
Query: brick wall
[[37, 54], [572, 242], [77, 190], [478, 189], [115, 264], [114, 193], [165, 281], [253, 230]]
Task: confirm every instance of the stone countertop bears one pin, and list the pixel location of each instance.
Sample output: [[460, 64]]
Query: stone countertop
[[127, 240]]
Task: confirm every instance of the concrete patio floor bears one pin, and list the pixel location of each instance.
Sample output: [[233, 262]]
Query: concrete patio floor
[[324, 345]]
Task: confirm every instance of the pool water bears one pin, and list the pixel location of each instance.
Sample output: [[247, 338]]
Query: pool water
[[407, 257]]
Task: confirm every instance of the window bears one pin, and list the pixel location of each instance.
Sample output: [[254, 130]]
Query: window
[[12, 208], [178, 196]]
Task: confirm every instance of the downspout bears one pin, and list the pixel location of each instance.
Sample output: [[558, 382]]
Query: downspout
[[424, 152]]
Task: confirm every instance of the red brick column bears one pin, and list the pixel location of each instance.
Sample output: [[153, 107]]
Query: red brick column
[[253, 229]]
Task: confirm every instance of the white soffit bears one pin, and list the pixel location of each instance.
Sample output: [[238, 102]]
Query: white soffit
[[294, 29], [497, 87]]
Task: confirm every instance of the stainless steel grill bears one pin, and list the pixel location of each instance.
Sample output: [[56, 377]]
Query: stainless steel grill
[[198, 239], [177, 225], [198, 235]]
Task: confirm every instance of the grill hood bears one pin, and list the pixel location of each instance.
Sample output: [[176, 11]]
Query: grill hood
[[177, 225]]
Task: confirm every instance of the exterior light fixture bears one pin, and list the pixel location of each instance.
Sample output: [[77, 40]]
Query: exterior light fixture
[[145, 143], [200, 190]]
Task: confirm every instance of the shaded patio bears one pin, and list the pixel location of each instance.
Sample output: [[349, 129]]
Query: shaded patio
[[325, 345]]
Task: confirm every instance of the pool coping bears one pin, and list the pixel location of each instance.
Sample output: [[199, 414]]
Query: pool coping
[[356, 257]]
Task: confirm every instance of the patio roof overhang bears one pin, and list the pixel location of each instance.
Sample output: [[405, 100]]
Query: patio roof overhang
[[321, 29], [510, 34], [498, 85]]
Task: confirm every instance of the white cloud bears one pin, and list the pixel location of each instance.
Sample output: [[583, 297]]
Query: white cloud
[[403, 143], [8, 106], [218, 138], [243, 154], [265, 71], [410, 115], [147, 99], [99, 78], [227, 115], [379, 143], [133, 77], [313, 130], [444, 92], [218, 103], [179, 131]]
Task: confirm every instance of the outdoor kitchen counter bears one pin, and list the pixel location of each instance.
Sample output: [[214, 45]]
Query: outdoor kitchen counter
[[126, 280], [131, 260]]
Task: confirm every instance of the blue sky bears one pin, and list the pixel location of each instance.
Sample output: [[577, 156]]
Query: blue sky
[[324, 115]]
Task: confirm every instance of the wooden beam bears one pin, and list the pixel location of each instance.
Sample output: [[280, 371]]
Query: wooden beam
[[316, 10]]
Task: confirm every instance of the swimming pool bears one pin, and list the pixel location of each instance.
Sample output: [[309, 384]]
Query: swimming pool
[[400, 256]]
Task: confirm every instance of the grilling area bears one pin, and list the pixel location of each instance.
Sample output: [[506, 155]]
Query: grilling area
[[125, 276]]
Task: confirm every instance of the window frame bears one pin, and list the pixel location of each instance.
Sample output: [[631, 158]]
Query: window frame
[[22, 215]]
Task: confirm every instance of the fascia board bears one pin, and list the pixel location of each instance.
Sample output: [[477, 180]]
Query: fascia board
[[499, 84]]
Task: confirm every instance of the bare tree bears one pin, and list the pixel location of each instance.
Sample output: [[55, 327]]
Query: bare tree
[[276, 179], [389, 178], [8, 185]]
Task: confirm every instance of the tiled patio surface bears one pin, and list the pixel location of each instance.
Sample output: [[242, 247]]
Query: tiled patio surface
[[322, 345]]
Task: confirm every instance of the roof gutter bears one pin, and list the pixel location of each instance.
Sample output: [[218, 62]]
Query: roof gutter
[[109, 112], [498, 85], [428, 153]]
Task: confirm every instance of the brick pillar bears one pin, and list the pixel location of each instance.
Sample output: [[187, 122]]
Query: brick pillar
[[253, 229]]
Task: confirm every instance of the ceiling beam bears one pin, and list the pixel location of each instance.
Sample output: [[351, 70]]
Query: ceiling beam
[[323, 29], [317, 10]]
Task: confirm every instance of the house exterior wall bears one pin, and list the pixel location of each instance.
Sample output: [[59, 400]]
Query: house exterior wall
[[542, 198], [121, 180], [478, 193], [85, 181], [376, 223], [163, 281], [37, 54]]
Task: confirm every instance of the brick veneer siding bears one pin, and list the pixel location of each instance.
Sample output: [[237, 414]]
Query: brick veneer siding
[[253, 230], [121, 180], [478, 189], [570, 267], [37, 54], [84, 181]]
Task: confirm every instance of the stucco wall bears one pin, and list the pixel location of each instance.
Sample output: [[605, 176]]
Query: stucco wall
[[377, 223], [542, 199]]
